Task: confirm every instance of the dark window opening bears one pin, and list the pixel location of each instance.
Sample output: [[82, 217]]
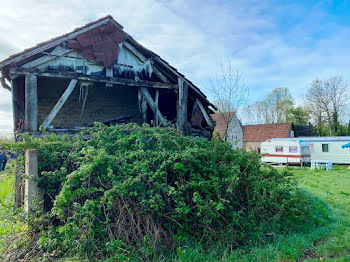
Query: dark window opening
[[325, 148]]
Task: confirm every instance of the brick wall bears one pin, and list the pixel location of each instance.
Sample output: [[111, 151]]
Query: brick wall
[[249, 146], [102, 104]]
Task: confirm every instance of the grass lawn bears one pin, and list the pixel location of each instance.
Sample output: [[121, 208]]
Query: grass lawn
[[326, 243], [10, 223], [334, 188]]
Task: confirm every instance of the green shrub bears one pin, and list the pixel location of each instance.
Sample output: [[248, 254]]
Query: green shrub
[[116, 192]]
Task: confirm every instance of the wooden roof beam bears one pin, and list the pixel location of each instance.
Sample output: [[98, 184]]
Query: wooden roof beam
[[140, 56], [94, 78]]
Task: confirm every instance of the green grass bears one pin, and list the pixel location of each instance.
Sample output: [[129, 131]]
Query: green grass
[[10, 222], [327, 243]]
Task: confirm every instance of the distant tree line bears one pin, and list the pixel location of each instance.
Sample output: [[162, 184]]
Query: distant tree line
[[325, 108]]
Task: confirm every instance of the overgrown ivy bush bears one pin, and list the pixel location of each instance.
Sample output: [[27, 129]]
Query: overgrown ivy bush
[[126, 191]]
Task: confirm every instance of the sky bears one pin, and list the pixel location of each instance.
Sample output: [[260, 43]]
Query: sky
[[271, 43]]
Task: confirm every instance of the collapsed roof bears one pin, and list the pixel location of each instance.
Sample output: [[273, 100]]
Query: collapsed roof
[[97, 41]]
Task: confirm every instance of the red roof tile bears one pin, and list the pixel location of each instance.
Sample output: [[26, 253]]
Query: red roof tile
[[221, 123], [261, 133]]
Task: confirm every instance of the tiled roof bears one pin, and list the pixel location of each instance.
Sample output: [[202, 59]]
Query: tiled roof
[[261, 133], [221, 122]]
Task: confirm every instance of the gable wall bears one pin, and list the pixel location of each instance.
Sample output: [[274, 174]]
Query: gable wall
[[234, 133]]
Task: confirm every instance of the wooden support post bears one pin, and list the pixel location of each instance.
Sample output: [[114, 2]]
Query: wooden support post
[[151, 104], [32, 193], [109, 73], [144, 109], [156, 99], [181, 120], [31, 103], [14, 92], [205, 114], [60, 103]]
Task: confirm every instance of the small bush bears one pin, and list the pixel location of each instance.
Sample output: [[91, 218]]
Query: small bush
[[117, 192]]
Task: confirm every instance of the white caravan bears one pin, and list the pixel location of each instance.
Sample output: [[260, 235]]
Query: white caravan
[[332, 148], [285, 152]]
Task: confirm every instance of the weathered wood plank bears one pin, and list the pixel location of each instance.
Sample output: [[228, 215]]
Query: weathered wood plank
[[93, 78], [31, 102], [151, 104], [14, 93], [206, 116], [60, 103], [53, 43], [156, 100], [143, 59], [33, 195], [181, 121], [109, 73], [58, 51], [159, 60]]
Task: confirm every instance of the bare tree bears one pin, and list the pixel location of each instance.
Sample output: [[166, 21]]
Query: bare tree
[[255, 113], [327, 101], [229, 90], [275, 108]]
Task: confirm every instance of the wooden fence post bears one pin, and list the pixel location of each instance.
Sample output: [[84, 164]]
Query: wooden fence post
[[32, 193]]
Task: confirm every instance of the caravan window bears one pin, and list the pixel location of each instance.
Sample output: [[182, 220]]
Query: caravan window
[[279, 148], [325, 148], [293, 149]]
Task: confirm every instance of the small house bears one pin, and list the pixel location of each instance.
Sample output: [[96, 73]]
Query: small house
[[229, 128], [254, 135]]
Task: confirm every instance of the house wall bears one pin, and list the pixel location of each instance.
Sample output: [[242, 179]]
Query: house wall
[[102, 104], [336, 154], [234, 133], [249, 146]]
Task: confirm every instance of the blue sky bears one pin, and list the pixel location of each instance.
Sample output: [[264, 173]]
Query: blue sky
[[272, 43]]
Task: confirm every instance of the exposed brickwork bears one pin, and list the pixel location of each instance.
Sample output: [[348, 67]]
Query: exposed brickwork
[[102, 103]]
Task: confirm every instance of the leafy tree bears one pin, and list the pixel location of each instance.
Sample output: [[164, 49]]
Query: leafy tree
[[299, 116]]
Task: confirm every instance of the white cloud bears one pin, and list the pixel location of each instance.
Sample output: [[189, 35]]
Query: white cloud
[[269, 49]]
